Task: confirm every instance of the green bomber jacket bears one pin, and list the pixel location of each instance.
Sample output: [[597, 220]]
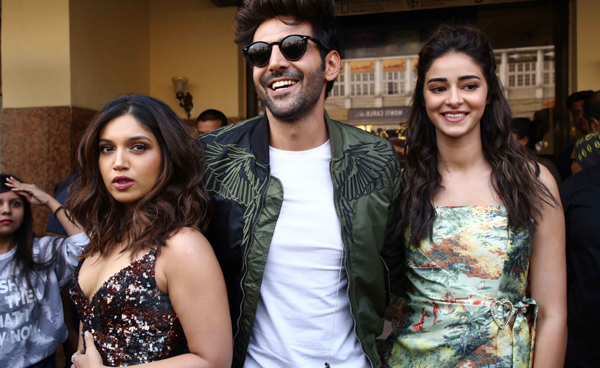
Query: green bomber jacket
[[247, 200]]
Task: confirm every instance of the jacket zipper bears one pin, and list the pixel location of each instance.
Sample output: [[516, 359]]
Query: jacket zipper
[[262, 202], [347, 250]]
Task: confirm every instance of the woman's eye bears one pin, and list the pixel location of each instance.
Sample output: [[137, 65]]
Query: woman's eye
[[139, 147], [438, 89], [471, 87], [105, 149], [16, 204]]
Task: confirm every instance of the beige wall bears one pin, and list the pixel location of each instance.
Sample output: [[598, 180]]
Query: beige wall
[[110, 50], [588, 50], [194, 39], [35, 53]]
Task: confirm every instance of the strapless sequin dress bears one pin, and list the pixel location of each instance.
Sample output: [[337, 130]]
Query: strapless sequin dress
[[132, 321]]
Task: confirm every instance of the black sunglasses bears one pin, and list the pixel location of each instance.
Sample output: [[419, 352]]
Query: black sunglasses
[[292, 47]]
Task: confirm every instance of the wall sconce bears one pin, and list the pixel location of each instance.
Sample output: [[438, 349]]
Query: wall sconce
[[185, 100]]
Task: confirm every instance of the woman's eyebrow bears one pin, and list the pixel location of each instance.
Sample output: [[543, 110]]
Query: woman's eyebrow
[[468, 77], [136, 138], [437, 80], [140, 137], [459, 78]]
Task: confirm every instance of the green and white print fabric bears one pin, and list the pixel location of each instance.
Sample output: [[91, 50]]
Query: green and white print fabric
[[467, 305]]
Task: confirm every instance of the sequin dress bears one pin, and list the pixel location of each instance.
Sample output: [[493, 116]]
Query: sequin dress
[[132, 321], [467, 305]]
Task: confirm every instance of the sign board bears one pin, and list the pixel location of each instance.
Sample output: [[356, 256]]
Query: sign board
[[396, 65], [362, 67], [355, 7], [386, 113]]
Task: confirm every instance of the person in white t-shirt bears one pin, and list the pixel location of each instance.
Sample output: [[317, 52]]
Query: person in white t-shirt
[[301, 202]]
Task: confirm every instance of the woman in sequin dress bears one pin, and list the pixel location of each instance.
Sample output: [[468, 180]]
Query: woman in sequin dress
[[149, 281], [478, 214]]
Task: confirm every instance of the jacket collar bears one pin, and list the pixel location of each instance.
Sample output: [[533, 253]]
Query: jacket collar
[[259, 139]]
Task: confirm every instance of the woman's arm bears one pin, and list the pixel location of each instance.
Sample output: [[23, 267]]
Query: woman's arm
[[548, 281], [38, 197], [197, 291]]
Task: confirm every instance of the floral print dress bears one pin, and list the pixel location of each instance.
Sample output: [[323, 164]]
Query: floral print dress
[[467, 305]]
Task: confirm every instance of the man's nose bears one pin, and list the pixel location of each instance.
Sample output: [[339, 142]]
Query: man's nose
[[277, 61]]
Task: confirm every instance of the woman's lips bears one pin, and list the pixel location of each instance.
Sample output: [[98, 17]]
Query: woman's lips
[[122, 182], [6, 222], [455, 117]]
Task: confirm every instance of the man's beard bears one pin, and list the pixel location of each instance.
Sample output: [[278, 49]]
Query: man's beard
[[303, 104]]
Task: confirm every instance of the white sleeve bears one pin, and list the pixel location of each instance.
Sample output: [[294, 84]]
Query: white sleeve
[[67, 258]]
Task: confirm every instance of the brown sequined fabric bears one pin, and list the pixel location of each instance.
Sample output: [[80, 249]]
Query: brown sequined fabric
[[132, 321]]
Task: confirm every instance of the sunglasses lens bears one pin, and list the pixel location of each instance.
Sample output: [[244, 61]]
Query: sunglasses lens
[[293, 47], [259, 54]]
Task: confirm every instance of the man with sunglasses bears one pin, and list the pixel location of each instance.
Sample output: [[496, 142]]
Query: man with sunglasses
[[301, 202]]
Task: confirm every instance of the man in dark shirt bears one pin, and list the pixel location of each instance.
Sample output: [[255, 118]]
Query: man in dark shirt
[[580, 195], [575, 106]]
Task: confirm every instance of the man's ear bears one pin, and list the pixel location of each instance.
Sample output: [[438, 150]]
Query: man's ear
[[332, 65], [594, 125]]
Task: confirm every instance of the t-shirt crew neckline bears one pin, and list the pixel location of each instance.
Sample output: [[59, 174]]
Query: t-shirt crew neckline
[[9, 254], [317, 151]]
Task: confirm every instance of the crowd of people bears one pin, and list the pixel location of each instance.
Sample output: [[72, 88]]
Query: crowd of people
[[279, 241]]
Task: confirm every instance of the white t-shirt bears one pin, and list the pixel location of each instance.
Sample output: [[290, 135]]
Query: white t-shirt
[[294, 318]]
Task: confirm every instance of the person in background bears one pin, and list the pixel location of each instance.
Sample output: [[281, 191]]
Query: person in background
[[580, 195], [210, 120], [528, 133], [591, 112], [32, 272], [479, 214], [53, 227], [149, 282], [575, 105], [301, 202], [61, 192]]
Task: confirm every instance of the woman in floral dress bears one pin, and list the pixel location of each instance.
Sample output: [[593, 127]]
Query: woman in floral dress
[[478, 215]]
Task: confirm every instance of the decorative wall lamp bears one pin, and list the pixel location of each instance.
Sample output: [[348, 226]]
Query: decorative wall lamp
[[185, 100]]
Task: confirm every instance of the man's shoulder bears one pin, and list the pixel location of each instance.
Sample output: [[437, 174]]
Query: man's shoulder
[[352, 134], [230, 133]]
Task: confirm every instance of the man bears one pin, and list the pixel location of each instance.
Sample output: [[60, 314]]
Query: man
[[575, 106], [591, 112], [301, 202], [580, 197], [210, 120]]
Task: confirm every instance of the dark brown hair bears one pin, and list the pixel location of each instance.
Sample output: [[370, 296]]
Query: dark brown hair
[[515, 172], [178, 198], [319, 13]]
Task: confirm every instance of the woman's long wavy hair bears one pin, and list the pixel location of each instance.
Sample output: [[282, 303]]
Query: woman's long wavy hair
[[178, 199], [26, 263], [515, 172]]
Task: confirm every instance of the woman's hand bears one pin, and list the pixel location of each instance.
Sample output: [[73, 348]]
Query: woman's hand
[[91, 358], [34, 195]]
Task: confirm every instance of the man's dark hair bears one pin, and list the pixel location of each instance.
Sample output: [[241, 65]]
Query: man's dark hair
[[212, 114], [578, 96], [319, 13], [591, 106]]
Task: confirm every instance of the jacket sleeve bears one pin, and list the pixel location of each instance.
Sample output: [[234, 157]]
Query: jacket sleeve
[[393, 247]]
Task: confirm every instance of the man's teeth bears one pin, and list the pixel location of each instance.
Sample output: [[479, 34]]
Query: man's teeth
[[280, 84], [455, 115]]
